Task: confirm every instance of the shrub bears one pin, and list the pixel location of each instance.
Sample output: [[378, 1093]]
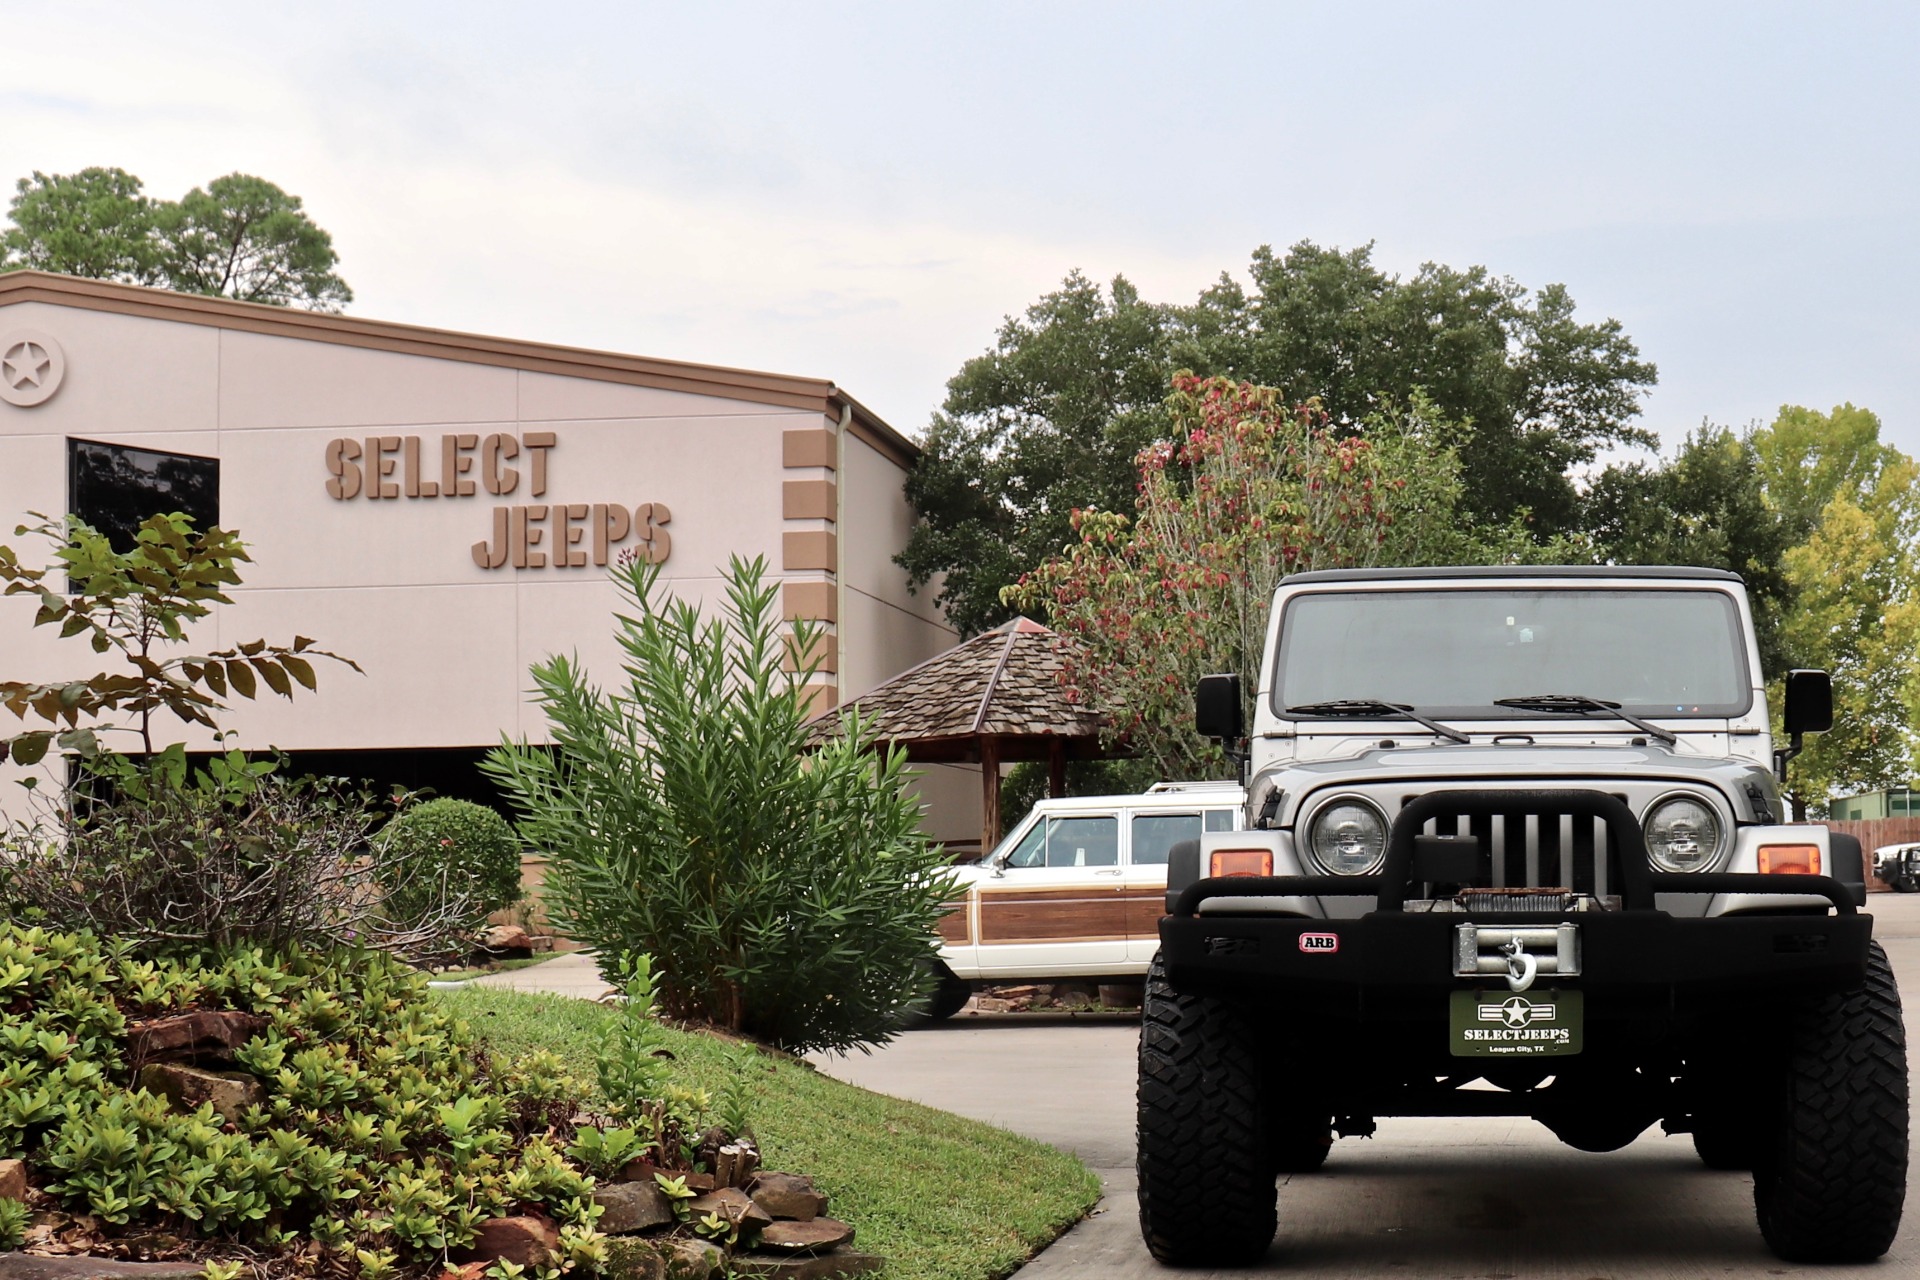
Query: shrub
[[385, 1131], [787, 895], [216, 857], [448, 851]]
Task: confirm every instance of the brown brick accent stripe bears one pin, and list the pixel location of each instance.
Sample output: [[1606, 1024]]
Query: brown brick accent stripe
[[813, 549], [817, 600], [812, 447], [809, 500]]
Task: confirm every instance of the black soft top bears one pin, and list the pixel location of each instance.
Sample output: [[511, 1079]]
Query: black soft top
[[1455, 571]]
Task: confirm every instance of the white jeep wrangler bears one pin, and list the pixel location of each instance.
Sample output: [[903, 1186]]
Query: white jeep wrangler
[[1518, 827]]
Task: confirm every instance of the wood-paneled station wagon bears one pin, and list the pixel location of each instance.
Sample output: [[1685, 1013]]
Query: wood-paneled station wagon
[[1076, 890]]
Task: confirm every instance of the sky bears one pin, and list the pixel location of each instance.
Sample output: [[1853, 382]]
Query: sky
[[862, 192]]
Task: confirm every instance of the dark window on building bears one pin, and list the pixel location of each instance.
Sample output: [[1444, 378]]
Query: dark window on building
[[114, 488]]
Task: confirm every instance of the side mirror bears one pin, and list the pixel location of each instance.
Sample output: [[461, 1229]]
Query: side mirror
[[1809, 701], [1216, 708]]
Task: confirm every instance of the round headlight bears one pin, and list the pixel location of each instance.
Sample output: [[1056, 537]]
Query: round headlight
[[1348, 837], [1683, 834]]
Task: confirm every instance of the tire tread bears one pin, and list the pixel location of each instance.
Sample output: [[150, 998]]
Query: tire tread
[[1206, 1176]]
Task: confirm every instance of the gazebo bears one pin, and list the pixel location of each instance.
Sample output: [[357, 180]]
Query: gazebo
[[994, 699]]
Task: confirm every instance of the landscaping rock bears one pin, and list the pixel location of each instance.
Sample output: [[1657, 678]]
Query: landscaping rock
[[632, 1206], [230, 1092], [629, 1258], [816, 1236], [689, 1259], [787, 1195], [467, 1271], [28, 1266], [201, 1036], [528, 1240], [731, 1203], [824, 1266], [697, 1181], [13, 1179], [501, 936], [1122, 995], [990, 1004]]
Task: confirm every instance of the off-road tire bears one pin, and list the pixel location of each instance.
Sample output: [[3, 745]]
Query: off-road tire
[[1207, 1195], [1832, 1176]]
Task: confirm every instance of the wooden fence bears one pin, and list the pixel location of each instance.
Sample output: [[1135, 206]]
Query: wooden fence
[[1874, 832]]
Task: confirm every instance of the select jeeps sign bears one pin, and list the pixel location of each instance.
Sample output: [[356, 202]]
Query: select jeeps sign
[[533, 535]]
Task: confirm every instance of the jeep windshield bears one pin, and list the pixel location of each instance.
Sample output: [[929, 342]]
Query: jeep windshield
[[1455, 653]]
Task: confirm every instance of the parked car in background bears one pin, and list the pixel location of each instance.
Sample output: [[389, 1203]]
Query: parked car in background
[[1898, 866], [1076, 890]]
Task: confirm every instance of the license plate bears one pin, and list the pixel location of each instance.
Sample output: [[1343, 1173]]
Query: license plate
[[1515, 1024]]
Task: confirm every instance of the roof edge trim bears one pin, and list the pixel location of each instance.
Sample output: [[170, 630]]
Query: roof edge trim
[[780, 390]]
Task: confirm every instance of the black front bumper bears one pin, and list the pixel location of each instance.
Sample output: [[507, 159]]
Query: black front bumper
[[1392, 963]]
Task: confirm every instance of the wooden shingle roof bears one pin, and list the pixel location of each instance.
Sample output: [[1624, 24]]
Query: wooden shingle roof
[[1004, 684]]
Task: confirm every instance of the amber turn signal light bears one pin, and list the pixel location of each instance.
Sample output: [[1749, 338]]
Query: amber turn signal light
[[1789, 859], [1240, 862]]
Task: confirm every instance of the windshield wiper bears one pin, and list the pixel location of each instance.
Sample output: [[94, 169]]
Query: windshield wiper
[[1579, 704], [1369, 708]]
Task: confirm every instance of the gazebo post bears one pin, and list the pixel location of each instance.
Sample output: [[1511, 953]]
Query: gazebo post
[[989, 793], [1056, 768]]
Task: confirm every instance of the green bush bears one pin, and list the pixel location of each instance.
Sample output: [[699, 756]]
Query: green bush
[[448, 850], [786, 894], [386, 1135], [218, 856]]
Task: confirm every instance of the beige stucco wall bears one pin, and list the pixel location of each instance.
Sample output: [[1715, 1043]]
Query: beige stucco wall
[[887, 628], [392, 583]]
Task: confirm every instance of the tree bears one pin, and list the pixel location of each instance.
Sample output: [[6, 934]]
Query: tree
[[1852, 504], [136, 604], [788, 895], [94, 223], [1048, 421], [245, 238], [242, 237], [1248, 491], [1709, 505], [1045, 424], [1541, 391]]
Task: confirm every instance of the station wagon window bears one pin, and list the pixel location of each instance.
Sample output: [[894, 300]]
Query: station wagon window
[[1069, 842], [1155, 834]]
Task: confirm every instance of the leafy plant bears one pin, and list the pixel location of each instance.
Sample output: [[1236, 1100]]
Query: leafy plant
[[733, 1109], [383, 1135], [216, 857], [14, 1218], [683, 816], [132, 604], [447, 850], [1249, 490]]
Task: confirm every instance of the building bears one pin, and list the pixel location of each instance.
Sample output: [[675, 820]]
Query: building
[[1901, 802], [441, 507]]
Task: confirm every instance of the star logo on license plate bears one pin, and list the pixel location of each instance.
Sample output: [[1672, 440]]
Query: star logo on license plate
[[1516, 1011]]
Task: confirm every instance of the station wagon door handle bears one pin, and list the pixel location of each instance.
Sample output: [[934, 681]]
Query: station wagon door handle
[[1108, 871]]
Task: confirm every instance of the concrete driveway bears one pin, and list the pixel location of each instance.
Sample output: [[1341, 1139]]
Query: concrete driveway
[[1486, 1199]]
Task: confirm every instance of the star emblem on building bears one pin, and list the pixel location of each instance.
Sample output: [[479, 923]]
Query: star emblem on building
[[24, 363]]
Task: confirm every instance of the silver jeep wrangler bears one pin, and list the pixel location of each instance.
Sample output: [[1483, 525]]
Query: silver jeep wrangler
[[1519, 826]]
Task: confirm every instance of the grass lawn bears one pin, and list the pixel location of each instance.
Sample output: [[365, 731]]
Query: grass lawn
[[941, 1197]]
